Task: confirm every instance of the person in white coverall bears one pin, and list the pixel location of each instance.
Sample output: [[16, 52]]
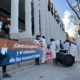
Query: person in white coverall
[[77, 41], [54, 48], [57, 45], [71, 48], [37, 41], [44, 49]]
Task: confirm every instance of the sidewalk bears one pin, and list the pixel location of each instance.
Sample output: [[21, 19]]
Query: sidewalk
[[46, 72]]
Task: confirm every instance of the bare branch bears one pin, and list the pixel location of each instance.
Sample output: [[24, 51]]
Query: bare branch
[[73, 9], [78, 3]]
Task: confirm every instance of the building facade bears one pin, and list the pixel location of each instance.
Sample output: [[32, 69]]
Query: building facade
[[32, 17]]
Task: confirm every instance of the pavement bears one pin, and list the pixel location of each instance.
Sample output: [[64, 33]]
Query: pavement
[[48, 71]]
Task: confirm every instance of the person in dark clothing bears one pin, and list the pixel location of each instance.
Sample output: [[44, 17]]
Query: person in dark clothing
[[5, 29], [5, 34], [37, 41], [61, 45]]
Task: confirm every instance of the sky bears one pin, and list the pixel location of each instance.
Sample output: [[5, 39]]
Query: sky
[[61, 6], [64, 12]]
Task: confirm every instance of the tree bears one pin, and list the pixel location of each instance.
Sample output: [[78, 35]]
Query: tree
[[75, 7]]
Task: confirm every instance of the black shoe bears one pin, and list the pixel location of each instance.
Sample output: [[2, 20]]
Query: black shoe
[[45, 62], [37, 63], [6, 75]]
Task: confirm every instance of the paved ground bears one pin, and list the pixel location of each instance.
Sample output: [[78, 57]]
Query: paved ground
[[46, 72]]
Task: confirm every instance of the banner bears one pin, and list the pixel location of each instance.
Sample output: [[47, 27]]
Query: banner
[[16, 51]]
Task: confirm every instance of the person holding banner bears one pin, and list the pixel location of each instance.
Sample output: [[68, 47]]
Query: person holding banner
[[5, 34], [37, 41]]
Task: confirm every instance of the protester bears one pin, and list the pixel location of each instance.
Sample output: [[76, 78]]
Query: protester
[[53, 49], [37, 41], [44, 49], [5, 34], [77, 41], [57, 45], [61, 45], [71, 47]]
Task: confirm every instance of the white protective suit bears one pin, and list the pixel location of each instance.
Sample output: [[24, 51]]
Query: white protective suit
[[36, 41], [55, 47], [71, 48], [44, 49], [77, 41]]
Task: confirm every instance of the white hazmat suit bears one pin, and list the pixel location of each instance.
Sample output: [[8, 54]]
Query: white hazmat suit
[[44, 49], [71, 48], [55, 46]]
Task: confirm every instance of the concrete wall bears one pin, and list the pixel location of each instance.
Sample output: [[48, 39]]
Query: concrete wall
[[49, 27]]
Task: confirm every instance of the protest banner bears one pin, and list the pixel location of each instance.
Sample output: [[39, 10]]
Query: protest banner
[[17, 51]]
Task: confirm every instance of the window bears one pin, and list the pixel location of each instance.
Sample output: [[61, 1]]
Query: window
[[39, 23], [49, 6], [32, 16], [21, 27]]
